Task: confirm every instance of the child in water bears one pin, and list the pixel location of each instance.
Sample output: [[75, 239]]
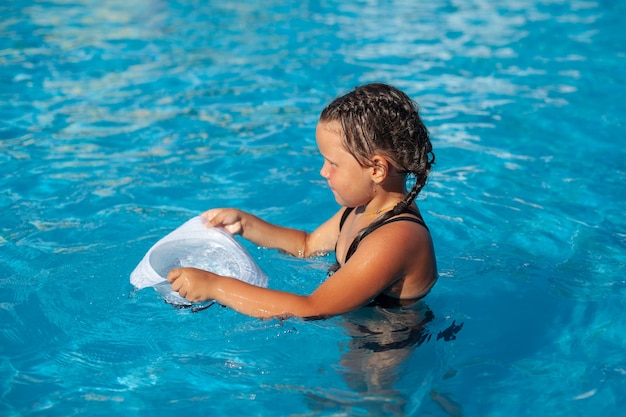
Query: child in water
[[371, 139]]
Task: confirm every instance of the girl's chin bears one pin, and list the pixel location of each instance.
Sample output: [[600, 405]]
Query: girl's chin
[[340, 202], [345, 203]]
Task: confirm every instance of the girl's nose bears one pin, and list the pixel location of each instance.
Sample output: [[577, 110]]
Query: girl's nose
[[324, 171]]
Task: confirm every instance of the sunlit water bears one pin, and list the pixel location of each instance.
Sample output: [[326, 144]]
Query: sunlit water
[[120, 120]]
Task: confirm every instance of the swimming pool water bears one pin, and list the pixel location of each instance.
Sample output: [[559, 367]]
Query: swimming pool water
[[121, 120]]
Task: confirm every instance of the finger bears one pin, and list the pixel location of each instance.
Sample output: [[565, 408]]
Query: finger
[[181, 286], [232, 228], [210, 215], [174, 274]]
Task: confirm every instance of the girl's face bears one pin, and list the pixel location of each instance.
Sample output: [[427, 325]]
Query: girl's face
[[349, 181]]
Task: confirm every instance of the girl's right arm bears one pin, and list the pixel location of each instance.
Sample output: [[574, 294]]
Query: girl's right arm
[[295, 242]]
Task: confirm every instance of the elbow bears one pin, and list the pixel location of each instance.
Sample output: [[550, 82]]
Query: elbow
[[307, 308], [322, 309]]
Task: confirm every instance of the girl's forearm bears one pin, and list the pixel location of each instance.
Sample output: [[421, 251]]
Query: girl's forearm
[[260, 302], [269, 235], [197, 285]]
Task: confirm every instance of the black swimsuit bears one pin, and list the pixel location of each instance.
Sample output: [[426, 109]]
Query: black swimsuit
[[381, 299]]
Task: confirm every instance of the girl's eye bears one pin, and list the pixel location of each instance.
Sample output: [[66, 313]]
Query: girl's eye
[[332, 164]]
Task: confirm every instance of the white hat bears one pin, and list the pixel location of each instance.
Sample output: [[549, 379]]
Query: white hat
[[194, 244]]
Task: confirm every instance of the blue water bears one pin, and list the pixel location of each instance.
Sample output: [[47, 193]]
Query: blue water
[[120, 120]]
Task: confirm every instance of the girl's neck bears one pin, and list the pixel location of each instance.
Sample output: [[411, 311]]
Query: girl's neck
[[379, 205]]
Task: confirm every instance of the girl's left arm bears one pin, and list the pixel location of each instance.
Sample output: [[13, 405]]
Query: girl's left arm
[[295, 242]]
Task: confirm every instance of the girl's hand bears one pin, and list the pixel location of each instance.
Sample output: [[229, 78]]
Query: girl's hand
[[228, 218], [193, 284]]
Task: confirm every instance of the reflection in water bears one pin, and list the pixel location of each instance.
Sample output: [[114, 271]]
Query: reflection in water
[[447, 404], [381, 341]]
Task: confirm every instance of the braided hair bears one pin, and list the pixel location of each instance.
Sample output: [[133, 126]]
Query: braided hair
[[380, 119]]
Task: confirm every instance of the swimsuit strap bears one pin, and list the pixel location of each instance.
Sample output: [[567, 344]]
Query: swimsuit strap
[[355, 242], [349, 210], [335, 267], [344, 216]]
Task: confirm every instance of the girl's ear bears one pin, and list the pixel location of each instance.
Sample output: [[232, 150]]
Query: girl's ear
[[379, 169]]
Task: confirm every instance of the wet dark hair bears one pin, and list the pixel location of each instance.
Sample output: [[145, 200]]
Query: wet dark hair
[[380, 119]]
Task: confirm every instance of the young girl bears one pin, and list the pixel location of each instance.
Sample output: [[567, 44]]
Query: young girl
[[370, 139]]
